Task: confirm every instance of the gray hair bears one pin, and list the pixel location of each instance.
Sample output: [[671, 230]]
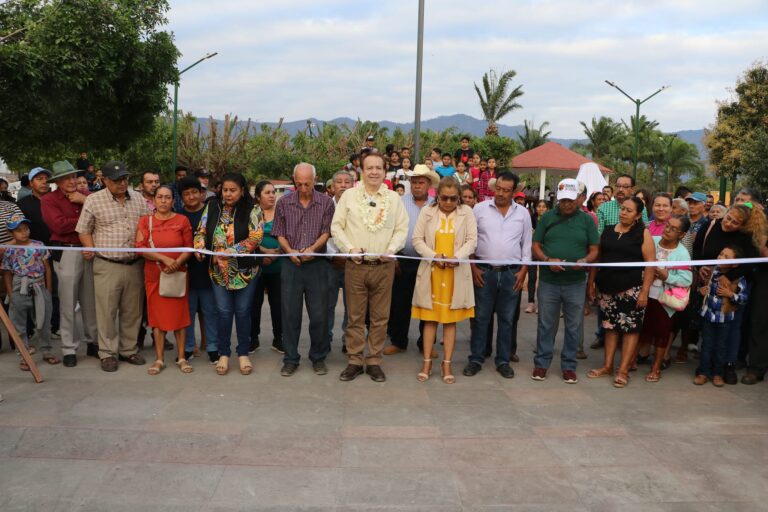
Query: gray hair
[[680, 203], [305, 164], [342, 172]]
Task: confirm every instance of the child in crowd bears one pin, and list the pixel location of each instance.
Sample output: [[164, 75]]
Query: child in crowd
[[27, 273], [722, 298], [462, 174], [474, 171], [400, 189], [404, 174], [82, 184]]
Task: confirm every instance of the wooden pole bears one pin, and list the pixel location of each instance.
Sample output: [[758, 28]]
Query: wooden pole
[[20, 346]]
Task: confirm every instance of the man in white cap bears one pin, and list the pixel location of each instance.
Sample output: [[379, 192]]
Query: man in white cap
[[422, 179], [564, 234]]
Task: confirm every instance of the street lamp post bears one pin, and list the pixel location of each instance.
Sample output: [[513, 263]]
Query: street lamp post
[[176, 103], [637, 103], [419, 61]]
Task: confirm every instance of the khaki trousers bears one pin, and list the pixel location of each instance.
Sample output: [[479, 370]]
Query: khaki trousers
[[75, 275], [119, 293], [368, 289]]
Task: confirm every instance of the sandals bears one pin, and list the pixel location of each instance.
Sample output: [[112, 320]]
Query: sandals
[[23, 366], [621, 380], [51, 359], [245, 365], [156, 367], [222, 367], [597, 373], [445, 372], [184, 366], [653, 376], [424, 377]]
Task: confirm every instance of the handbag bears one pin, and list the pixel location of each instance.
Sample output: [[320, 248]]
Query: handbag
[[675, 297], [171, 285]]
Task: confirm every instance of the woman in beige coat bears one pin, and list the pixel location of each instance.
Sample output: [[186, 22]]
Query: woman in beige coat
[[445, 233]]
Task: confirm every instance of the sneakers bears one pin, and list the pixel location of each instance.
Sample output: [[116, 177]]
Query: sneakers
[[254, 346], [319, 367], [539, 374], [288, 369], [213, 356], [569, 376], [277, 346], [505, 371]]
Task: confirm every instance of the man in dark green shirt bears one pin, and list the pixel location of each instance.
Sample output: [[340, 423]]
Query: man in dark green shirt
[[565, 234]]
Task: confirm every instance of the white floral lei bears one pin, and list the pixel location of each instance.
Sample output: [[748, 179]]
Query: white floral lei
[[374, 217]]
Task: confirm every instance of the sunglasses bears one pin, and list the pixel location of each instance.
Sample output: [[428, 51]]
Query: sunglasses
[[451, 199]]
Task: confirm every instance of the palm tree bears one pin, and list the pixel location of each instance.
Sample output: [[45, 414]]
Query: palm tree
[[496, 103], [602, 135], [676, 157], [533, 137]]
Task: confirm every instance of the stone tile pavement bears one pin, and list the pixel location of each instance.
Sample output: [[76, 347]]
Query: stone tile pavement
[[91, 441]]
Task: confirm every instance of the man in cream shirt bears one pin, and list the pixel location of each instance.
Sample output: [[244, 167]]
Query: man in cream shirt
[[369, 219]]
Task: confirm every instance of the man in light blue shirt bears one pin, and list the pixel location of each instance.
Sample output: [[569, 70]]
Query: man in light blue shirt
[[504, 234]]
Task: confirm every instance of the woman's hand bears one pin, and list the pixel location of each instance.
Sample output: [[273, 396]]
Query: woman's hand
[[705, 273], [661, 273], [437, 260], [642, 301]]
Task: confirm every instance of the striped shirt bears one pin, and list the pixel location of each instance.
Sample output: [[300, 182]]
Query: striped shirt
[[303, 226], [112, 223], [7, 209]]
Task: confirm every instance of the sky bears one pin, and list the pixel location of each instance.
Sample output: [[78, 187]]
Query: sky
[[324, 59]]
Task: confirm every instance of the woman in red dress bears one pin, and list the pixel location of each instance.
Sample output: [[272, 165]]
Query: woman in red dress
[[165, 314]]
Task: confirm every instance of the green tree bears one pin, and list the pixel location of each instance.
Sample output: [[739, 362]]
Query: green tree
[[673, 158], [89, 74], [741, 122], [494, 100], [533, 137], [602, 135]]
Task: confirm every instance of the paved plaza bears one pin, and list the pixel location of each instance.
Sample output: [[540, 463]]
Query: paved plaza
[[92, 441]]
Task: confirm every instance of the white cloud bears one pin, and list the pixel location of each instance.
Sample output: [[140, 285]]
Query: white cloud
[[304, 59]]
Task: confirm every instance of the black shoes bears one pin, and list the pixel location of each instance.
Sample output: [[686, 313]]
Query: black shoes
[[167, 345], [376, 373], [471, 369], [749, 379], [288, 369], [730, 376], [505, 371], [254, 346], [277, 346], [319, 367], [70, 360], [92, 350], [213, 356], [350, 372]]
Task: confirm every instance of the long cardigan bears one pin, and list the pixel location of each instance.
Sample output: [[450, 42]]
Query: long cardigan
[[465, 241]]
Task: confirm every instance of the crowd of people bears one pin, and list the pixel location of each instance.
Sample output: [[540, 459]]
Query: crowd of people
[[445, 241]]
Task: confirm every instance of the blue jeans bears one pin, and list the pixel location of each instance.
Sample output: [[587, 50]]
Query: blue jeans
[[497, 295], [234, 304], [336, 282], [714, 347], [734, 339], [552, 297], [201, 299]]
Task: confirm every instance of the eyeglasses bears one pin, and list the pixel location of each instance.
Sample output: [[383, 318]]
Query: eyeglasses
[[672, 228], [451, 199], [118, 180]]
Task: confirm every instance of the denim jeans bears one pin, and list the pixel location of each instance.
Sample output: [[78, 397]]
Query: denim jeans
[[299, 285], [553, 297], [336, 282], [734, 337], [497, 295], [201, 299], [714, 347], [234, 304]]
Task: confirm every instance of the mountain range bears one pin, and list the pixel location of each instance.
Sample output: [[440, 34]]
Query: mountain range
[[464, 124]]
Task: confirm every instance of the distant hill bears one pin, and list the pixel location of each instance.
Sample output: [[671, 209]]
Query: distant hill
[[464, 124]]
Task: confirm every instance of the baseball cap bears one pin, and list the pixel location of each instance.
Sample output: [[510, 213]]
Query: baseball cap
[[699, 197], [16, 220], [519, 194], [568, 189], [203, 173], [37, 171], [113, 170], [370, 137]]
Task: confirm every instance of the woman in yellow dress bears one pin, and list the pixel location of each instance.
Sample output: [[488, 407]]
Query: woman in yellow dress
[[445, 233]]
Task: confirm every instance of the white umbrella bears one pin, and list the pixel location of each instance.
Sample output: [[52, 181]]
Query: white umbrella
[[590, 175]]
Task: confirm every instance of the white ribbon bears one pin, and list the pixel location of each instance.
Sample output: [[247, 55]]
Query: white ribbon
[[495, 263]]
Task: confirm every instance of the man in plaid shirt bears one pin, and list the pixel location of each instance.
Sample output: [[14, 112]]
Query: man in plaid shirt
[[608, 213]]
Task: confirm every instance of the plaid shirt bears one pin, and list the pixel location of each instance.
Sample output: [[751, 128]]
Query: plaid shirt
[[483, 190], [303, 226], [112, 223], [712, 309], [608, 215]]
